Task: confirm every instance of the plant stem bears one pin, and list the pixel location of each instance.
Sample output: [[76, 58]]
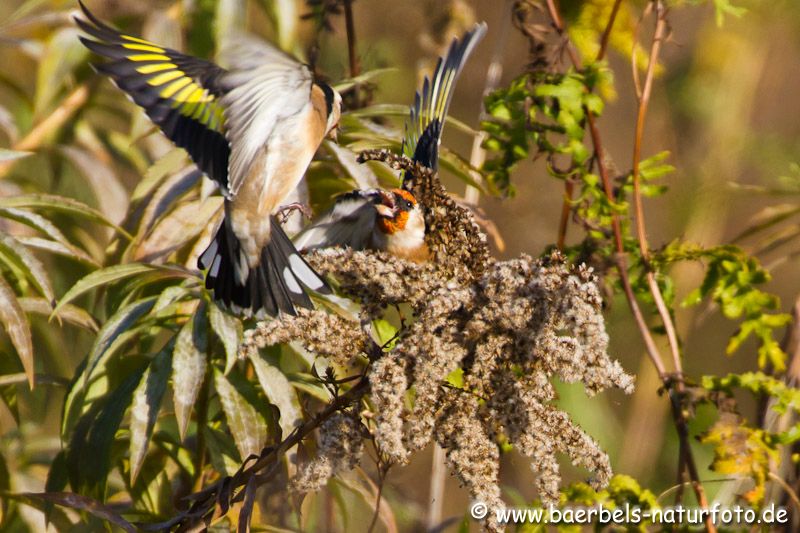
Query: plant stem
[[355, 65], [678, 414], [569, 186]]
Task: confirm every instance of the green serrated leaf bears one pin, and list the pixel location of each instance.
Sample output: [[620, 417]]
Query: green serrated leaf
[[102, 277], [145, 406], [59, 204], [279, 392], [16, 325], [189, 362], [246, 423], [229, 330], [118, 326]]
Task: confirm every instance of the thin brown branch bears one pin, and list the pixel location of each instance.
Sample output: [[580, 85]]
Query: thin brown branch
[[221, 493], [607, 31], [653, 352], [641, 232], [355, 64], [569, 186]]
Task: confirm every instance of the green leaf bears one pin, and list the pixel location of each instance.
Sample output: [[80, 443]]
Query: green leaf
[[12, 155], [247, 425], [279, 391], [21, 260], [144, 408], [59, 204], [116, 329], [45, 226], [89, 450], [229, 330], [16, 324], [69, 313], [189, 367], [64, 52], [348, 83], [102, 277]]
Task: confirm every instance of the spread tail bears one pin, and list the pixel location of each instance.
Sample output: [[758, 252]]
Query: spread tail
[[275, 285]]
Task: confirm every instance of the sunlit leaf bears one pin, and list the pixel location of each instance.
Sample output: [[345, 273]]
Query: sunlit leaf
[[12, 155], [89, 449], [144, 408], [16, 325], [101, 278], [108, 190], [117, 326], [12, 251], [68, 313], [177, 228], [59, 204], [229, 330], [362, 175], [348, 83], [43, 225], [246, 423], [189, 367], [279, 391], [63, 53]]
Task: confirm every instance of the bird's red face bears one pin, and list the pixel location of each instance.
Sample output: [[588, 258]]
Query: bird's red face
[[394, 210]]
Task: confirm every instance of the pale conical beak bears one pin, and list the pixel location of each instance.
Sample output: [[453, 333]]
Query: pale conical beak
[[384, 211]]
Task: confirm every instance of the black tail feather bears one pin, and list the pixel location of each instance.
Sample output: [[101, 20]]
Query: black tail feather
[[276, 285]]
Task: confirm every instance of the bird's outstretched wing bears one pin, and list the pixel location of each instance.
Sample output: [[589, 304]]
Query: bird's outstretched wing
[[267, 87], [423, 130], [349, 223], [179, 93]]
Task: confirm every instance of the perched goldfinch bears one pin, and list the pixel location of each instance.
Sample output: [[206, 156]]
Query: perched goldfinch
[[252, 129], [392, 220]]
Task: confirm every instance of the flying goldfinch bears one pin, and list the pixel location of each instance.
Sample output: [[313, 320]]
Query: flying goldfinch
[[393, 220], [252, 129]]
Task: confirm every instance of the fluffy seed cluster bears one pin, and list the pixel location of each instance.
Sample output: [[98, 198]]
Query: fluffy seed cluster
[[339, 449], [479, 353]]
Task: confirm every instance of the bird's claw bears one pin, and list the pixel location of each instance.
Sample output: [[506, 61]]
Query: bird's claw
[[285, 211]]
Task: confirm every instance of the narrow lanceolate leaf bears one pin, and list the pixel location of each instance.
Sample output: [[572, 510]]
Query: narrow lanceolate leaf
[[362, 175], [229, 330], [63, 53], [59, 204], [349, 83], [189, 367], [17, 327], [84, 503], [280, 393], [115, 327], [110, 193], [246, 423], [144, 408], [23, 261], [99, 278], [89, 453], [11, 155], [177, 228], [55, 247], [43, 225], [69, 313]]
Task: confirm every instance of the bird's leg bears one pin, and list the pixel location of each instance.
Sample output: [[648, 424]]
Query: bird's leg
[[285, 211]]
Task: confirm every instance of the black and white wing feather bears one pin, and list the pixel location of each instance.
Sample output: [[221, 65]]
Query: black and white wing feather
[[179, 93], [350, 222]]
